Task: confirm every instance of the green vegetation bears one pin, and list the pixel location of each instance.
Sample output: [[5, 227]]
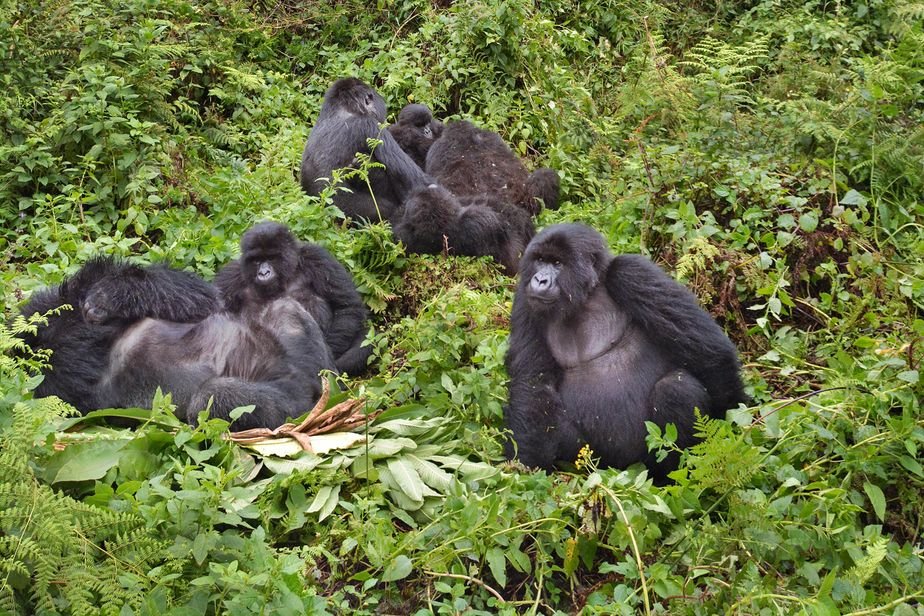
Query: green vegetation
[[770, 153]]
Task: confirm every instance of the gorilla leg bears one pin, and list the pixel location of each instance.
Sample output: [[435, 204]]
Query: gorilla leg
[[273, 405], [672, 401]]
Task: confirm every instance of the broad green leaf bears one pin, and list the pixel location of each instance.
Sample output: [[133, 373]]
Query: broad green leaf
[[406, 478], [398, 569], [498, 565], [283, 466], [877, 498], [323, 443], [320, 499], [86, 461], [279, 447], [431, 474]]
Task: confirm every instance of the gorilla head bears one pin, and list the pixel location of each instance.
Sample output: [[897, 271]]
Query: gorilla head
[[269, 258], [415, 131], [561, 267], [352, 96]]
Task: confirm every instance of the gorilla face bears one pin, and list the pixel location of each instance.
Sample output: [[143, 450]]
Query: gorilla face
[[561, 268], [268, 255]]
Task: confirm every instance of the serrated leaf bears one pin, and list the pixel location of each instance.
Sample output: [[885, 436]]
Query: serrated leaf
[[498, 565], [397, 569], [406, 478], [877, 498]]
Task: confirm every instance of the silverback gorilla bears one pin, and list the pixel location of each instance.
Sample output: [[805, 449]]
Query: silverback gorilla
[[468, 160], [471, 226], [81, 338], [274, 263], [352, 113], [415, 131], [599, 344]]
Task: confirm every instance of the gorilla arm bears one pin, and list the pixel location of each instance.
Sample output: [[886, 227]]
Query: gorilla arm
[[347, 329], [401, 168], [535, 409], [130, 292], [670, 316]]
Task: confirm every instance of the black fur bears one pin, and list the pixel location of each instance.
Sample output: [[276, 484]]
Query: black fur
[[600, 344], [106, 294], [470, 161], [269, 355], [434, 219], [310, 275], [351, 113], [415, 131]]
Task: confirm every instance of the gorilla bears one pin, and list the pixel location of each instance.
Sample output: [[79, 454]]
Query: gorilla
[[351, 113], [268, 355], [81, 338], [468, 160], [415, 131], [599, 344], [274, 263], [468, 225]]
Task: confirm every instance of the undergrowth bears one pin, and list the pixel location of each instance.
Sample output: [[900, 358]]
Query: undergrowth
[[770, 154]]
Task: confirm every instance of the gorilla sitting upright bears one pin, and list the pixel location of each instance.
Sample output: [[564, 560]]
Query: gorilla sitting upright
[[274, 263], [350, 115], [600, 344], [470, 161], [434, 219]]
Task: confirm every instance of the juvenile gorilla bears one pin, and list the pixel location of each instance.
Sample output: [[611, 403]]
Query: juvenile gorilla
[[470, 161], [275, 264], [106, 295], [415, 131], [351, 113], [599, 345], [434, 219]]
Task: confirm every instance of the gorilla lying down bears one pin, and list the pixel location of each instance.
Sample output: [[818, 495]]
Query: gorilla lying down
[[136, 329], [600, 344]]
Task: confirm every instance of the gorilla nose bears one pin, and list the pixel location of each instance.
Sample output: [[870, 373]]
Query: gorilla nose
[[264, 273], [540, 281]]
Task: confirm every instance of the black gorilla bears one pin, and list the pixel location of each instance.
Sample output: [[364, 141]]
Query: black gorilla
[[274, 263], [599, 345], [415, 131], [470, 161], [350, 115], [80, 339], [434, 218], [269, 355]]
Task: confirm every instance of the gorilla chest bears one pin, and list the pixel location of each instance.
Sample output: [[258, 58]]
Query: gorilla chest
[[589, 335], [606, 361]]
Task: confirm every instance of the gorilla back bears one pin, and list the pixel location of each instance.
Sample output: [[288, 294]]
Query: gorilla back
[[599, 345], [350, 115]]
